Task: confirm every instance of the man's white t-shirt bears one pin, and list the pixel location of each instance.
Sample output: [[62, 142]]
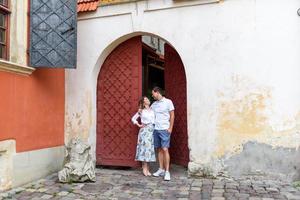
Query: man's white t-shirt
[[162, 109]]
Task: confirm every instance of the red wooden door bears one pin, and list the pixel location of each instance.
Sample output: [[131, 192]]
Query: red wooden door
[[118, 91], [175, 86]]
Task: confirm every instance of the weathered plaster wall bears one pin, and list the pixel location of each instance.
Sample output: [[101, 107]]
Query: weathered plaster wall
[[242, 67], [7, 151], [261, 159]]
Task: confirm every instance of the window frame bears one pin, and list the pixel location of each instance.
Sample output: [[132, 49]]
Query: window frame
[[5, 10]]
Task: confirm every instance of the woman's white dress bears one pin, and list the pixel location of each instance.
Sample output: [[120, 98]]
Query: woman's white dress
[[145, 144]]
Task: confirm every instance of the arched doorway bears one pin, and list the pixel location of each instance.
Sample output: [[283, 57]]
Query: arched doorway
[[119, 87]]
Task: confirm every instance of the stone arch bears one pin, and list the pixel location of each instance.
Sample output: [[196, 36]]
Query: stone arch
[[104, 54]]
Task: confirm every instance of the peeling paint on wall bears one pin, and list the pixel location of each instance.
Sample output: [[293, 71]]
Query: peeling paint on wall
[[241, 114], [78, 124], [244, 115], [265, 160], [7, 151]]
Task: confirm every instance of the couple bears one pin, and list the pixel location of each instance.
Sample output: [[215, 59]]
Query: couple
[[155, 132]]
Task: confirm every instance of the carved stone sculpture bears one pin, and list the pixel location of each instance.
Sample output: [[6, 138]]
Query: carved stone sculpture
[[79, 166]]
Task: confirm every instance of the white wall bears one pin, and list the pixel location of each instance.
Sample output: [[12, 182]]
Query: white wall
[[32, 165], [242, 65], [17, 169]]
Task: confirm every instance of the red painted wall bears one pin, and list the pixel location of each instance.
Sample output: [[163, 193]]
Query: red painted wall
[[32, 108]]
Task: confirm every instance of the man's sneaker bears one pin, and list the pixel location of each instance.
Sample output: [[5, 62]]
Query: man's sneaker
[[167, 176], [159, 172]]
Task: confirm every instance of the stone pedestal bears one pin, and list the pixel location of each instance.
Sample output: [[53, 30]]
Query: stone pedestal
[[79, 166]]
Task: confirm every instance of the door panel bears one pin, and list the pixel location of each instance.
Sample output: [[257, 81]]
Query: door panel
[[175, 86], [118, 91]]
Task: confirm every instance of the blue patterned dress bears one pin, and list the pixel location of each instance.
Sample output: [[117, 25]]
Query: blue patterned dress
[[145, 144]]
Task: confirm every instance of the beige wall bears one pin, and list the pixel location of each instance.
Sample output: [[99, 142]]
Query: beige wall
[[242, 65], [18, 31], [7, 151]]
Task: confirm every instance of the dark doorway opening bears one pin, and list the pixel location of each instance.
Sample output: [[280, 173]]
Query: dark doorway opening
[[153, 70]]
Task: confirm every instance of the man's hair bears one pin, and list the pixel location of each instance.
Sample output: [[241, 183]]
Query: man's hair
[[157, 89]]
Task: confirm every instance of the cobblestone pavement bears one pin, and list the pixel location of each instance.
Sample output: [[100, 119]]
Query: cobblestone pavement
[[131, 184]]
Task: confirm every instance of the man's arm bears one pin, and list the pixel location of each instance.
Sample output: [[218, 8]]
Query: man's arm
[[172, 117]]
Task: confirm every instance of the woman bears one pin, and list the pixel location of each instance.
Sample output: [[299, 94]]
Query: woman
[[145, 144]]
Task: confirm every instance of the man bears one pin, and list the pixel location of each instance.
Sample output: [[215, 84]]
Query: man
[[164, 121]]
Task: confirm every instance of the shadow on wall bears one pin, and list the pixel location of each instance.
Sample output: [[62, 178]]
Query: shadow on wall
[[266, 161]]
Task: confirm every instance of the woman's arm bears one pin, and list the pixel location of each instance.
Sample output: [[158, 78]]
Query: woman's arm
[[134, 120], [135, 117]]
